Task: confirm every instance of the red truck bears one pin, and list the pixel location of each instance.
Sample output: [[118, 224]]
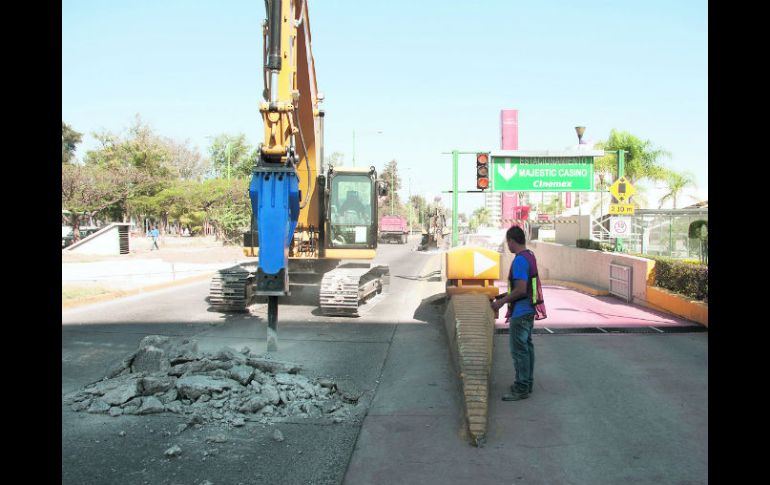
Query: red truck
[[393, 228]]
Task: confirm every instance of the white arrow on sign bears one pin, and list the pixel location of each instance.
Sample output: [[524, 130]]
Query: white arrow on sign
[[481, 263], [507, 171]]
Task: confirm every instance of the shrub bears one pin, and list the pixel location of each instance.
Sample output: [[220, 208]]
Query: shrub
[[686, 277], [591, 244]]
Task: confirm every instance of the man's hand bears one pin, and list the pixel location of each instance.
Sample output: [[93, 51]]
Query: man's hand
[[496, 305]]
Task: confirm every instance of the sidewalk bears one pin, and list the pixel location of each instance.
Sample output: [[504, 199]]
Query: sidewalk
[[87, 279]]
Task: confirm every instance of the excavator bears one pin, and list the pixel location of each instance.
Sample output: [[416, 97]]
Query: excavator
[[305, 222]]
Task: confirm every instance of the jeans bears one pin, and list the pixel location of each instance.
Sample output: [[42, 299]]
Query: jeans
[[522, 350]]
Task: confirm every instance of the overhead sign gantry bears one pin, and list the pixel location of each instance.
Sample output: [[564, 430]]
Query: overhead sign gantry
[[543, 170]]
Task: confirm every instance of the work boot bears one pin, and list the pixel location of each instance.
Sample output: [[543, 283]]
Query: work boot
[[515, 396], [514, 390]]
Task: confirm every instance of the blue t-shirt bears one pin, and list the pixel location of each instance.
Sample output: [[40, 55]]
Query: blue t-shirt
[[520, 271]]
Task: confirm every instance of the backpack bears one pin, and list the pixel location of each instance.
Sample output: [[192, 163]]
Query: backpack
[[533, 283]]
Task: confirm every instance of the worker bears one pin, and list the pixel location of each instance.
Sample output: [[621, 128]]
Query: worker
[[353, 203]]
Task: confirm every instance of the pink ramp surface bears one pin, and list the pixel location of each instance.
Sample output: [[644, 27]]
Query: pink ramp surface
[[570, 308]]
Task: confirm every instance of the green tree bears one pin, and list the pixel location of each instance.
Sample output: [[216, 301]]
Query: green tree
[[641, 160], [231, 154], [676, 182], [160, 160], [479, 217], [69, 140], [89, 190], [391, 204]]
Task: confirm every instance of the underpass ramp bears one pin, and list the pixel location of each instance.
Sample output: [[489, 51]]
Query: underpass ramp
[[470, 326]]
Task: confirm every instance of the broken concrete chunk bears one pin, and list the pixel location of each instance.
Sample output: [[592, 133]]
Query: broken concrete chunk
[[169, 396], [149, 359], [123, 393], [326, 382], [226, 353], [173, 451], [174, 407], [273, 366], [271, 394], [115, 411], [253, 404], [277, 435], [159, 341], [330, 406], [81, 405], [238, 422], [192, 387], [151, 405], [152, 385], [98, 407], [124, 365], [241, 373]]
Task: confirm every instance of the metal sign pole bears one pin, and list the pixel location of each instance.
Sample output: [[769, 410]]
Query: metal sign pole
[[621, 173], [455, 158]]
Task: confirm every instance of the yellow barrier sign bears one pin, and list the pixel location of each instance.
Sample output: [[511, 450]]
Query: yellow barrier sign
[[622, 190], [472, 263], [622, 209]]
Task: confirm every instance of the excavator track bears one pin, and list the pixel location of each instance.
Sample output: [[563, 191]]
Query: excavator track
[[230, 289], [344, 288]]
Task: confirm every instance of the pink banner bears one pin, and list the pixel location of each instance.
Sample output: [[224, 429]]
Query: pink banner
[[509, 129]]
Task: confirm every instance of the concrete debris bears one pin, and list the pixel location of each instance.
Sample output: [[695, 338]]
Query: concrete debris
[[277, 435], [166, 375], [219, 438], [173, 451], [98, 407], [151, 405], [123, 393], [122, 433]]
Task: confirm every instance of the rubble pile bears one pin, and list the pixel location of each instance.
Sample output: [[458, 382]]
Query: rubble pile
[[167, 376]]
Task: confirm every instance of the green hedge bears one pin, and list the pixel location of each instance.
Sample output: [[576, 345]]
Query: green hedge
[[686, 277], [591, 244]]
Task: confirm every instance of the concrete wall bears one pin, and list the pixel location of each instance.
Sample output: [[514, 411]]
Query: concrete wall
[[569, 229], [585, 266], [104, 242]]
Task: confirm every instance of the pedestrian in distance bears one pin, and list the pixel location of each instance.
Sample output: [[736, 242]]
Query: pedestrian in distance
[[525, 305], [155, 235]]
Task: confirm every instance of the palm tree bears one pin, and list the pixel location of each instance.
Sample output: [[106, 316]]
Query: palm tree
[[676, 182], [642, 159]]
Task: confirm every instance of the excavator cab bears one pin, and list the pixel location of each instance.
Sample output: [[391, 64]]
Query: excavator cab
[[352, 209]]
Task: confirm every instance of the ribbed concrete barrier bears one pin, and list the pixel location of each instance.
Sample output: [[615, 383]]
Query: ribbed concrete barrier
[[469, 324]]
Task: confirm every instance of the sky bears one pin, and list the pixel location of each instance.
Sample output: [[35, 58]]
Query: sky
[[430, 76]]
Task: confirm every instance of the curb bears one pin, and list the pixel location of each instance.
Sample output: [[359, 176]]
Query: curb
[[581, 287], [114, 295], [677, 305]]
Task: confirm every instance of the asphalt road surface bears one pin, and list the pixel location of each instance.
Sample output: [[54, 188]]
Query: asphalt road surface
[[606, 408]]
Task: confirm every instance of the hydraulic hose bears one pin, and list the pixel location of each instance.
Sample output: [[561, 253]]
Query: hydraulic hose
[[307, 161]]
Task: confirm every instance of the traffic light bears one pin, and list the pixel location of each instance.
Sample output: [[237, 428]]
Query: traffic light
[[482, 171]]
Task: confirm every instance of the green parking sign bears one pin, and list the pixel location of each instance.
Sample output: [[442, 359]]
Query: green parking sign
[[563, 173]]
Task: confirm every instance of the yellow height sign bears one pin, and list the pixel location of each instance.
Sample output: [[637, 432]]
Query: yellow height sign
[[622, 190]]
